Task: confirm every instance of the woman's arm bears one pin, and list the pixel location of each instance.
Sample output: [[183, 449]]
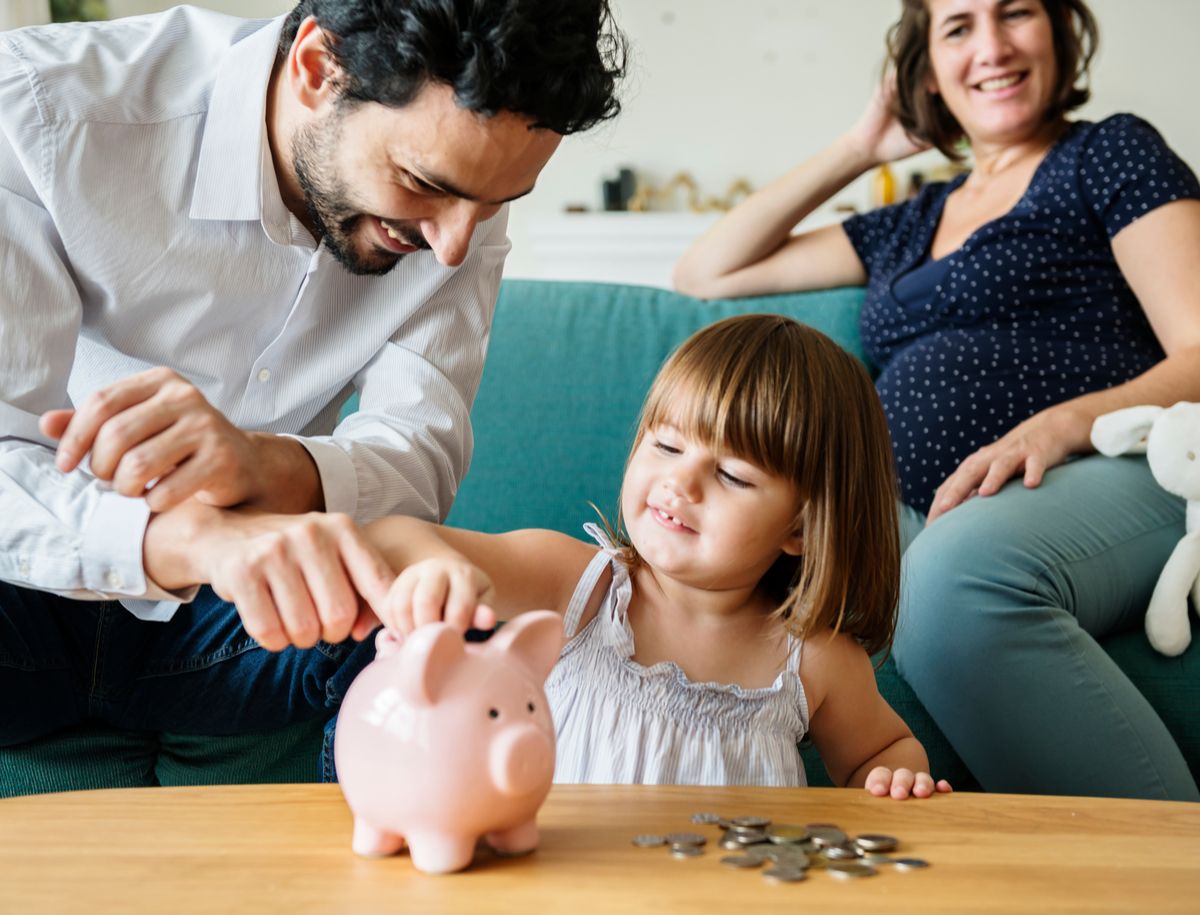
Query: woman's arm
[[1159, 256], [750, 251], [463, 576], [861, 739]]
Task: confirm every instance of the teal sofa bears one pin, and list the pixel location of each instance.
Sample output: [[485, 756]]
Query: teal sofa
[[567, 368]]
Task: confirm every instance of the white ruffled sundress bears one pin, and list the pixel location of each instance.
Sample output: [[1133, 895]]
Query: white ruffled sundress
[[618, 722]]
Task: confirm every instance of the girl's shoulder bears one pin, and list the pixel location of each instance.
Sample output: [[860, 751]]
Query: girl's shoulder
[[829, 659]]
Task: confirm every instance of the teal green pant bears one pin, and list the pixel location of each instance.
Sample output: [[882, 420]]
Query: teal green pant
[[1002, 601]]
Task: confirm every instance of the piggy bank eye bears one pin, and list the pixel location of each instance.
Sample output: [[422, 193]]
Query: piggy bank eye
[[493, 713], [529, 705]]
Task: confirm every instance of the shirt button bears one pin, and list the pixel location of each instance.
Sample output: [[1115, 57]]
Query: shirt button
[[115, 580], [264, 374]]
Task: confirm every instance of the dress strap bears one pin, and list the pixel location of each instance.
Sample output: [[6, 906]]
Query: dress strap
[[583, 590]]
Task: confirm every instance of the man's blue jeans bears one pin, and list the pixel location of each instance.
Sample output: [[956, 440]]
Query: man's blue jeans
[[64, 661]]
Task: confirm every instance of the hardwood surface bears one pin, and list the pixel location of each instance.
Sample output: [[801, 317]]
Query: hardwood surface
[[286, 848]]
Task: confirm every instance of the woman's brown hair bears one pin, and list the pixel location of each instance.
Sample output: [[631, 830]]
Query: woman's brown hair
[[783, 396], [923, 113]]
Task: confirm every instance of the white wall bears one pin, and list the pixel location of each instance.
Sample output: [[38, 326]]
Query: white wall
[[744, 89]]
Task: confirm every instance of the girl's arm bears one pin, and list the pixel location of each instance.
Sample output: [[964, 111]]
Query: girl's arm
[[467, 578], [1160, 258], [751, 251], [862, 741]]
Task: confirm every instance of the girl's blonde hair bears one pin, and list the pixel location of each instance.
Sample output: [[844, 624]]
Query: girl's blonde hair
[[766, 389]]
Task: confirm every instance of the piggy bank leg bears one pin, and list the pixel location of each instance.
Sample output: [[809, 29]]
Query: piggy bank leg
[[520, 840], [440, 854], [372, 842]]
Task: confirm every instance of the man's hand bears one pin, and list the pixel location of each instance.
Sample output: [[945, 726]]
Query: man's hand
[[294, 578], [437, 589], [156, 428]]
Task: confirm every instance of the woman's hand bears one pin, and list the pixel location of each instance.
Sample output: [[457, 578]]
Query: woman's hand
[[904, 783], [878, 135], [1043, 441], [439, 589]]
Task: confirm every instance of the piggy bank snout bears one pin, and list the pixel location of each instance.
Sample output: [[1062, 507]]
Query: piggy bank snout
[[521, 760]]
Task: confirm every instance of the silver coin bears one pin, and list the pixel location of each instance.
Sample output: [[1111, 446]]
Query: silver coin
[[686, 851], [705, 819], [749, 837], [752, 822], [850, 870], [685, 838], [784, 833], [789, 858], [823, 834], [876, 842], [909, 864], [741, 861], [874, 857], [841, 852], [758, 852], [647, 840], [783, 874], [730, 843]]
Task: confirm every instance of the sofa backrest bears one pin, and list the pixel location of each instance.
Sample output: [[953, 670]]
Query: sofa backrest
[[568, 366]]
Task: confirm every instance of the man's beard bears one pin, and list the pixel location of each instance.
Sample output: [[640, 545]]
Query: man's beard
[[328, 202]]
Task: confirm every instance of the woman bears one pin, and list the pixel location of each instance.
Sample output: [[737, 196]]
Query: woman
[[1007, 309]]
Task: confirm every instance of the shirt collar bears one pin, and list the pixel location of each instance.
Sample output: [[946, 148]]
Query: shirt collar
[[233, 150]]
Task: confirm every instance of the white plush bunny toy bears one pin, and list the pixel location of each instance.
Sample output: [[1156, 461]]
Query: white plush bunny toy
[[1170, 438]]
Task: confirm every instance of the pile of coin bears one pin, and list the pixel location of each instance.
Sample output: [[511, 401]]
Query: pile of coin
[[791, 851]]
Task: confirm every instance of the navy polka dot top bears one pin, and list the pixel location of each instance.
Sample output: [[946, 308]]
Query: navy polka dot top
[[1031, 311]]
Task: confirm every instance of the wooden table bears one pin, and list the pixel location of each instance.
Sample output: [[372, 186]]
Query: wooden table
[[286, 848]]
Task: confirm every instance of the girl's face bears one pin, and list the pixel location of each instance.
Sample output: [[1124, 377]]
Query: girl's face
[[706, 519], [992, 62]]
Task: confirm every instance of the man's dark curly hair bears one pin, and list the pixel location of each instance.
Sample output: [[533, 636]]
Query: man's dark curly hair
[[556, 62]]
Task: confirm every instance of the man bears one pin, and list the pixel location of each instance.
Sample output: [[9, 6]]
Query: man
[[212, 232]]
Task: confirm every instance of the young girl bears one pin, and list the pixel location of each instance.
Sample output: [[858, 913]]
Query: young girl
[[761, 566]]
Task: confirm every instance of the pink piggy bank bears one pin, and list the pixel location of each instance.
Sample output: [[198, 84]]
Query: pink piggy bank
[[441, 742]]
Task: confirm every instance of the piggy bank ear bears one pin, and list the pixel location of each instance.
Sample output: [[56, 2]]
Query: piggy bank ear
[[427, 659], [536, 638], [1124, 431]]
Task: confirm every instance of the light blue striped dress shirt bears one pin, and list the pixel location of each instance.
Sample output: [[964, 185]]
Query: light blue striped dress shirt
[[141, 225]]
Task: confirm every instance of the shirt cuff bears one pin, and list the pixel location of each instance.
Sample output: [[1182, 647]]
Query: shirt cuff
[[339, 479], [112, 552]]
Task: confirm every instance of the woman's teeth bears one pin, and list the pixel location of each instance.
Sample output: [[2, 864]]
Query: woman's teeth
[[1003, 82]]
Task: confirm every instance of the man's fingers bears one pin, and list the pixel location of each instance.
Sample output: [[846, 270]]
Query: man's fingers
[[294, 604], [369, 572], [332, 594], [179, 484], [257, 611], [99, 407], [53, 423], [139, 425]]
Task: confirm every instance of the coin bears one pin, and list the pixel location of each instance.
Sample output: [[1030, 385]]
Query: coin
[[841, 852], [685, 838], [825, 834], [749, 836], [876, 842], [730, 843], [741, 861], [686, 851], [909, 864], [785, 833], [646, 840], [752, 822], [849, 870], [784, 874], [706, 819], [873, 857]]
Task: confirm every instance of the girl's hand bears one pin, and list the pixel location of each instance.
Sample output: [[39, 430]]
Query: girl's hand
[[1043, 441], [439, 589], [903, 783], [878, 135]]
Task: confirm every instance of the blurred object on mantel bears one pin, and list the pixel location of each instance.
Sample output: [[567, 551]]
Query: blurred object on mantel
[[648, 195], [635, 248]]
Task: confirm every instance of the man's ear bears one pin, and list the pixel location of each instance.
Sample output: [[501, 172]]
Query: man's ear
[[312, 72]]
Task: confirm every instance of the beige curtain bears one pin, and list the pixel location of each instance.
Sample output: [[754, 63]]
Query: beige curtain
[[16, 13]]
